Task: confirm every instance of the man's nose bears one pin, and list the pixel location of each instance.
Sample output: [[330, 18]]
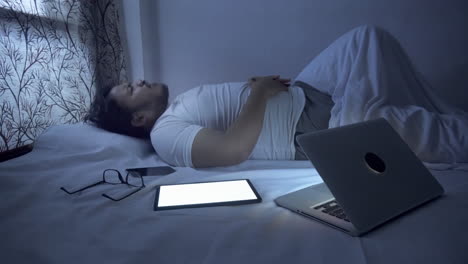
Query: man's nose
[[141, 82]]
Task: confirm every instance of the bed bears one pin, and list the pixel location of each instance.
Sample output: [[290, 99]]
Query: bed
[[41, 224]]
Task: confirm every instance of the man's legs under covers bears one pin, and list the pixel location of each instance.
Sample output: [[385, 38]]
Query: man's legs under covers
[[368, 75]]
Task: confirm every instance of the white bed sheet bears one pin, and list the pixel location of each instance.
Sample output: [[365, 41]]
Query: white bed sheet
[[41, 224]]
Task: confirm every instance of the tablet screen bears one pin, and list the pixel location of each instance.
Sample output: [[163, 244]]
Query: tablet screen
[[205, 194]]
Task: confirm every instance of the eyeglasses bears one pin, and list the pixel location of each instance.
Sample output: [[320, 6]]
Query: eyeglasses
[[111, 176]]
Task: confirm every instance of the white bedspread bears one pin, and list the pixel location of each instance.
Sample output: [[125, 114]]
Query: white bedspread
[[41, 224]]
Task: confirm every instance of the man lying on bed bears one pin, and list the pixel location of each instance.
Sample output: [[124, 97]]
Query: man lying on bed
[[362, 75]]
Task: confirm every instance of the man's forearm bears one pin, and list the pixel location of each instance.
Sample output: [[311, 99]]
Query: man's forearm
[[243, 133], [225, 148]]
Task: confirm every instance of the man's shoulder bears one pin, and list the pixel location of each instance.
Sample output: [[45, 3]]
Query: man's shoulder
[[207, 91], [212, 86], [200, 99]]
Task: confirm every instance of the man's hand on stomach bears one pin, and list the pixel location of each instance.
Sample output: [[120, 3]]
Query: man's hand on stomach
[[212, 148]]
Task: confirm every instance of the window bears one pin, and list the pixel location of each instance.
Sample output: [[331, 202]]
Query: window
[[60, 10], [52, 54], [47, 68]]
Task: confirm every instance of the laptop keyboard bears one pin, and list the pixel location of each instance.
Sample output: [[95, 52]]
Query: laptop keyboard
[[332, 208]]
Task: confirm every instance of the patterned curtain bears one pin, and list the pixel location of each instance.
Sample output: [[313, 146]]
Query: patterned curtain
[[54, 54]]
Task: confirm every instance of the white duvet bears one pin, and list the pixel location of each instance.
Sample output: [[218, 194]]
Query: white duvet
[[368, 75]]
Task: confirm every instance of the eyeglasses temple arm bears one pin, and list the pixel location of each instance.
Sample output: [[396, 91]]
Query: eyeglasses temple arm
[[82, 189]]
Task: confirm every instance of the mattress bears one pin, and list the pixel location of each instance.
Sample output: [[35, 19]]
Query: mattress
[[40, 223]]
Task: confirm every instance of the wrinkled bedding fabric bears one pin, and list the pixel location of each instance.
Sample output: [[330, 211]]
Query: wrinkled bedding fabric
[[368, 76], [39, 223]]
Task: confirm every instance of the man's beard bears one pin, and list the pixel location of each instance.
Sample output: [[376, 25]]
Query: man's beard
[[162, 104]]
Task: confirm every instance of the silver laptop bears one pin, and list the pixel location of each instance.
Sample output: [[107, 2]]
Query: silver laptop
[[370, 176]]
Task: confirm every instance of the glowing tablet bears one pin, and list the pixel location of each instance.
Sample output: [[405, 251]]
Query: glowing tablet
[[202, 194]]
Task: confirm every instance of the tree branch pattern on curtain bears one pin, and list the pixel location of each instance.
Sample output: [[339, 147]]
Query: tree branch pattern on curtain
[[54, 54]]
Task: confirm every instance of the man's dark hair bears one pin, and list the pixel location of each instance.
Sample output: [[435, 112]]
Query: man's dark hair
[[105, 113]]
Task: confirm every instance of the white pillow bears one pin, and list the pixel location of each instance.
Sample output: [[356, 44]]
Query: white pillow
[[85, 138]]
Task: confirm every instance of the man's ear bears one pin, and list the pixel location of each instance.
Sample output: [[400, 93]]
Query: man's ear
[[139, 119]]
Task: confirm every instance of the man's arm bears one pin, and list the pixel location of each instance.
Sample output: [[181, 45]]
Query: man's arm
[[212, 148]]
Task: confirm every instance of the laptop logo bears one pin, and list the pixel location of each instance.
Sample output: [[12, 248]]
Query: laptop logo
[[374, 163]]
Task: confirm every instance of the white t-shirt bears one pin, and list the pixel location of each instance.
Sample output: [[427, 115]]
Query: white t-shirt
[[217, 106]]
